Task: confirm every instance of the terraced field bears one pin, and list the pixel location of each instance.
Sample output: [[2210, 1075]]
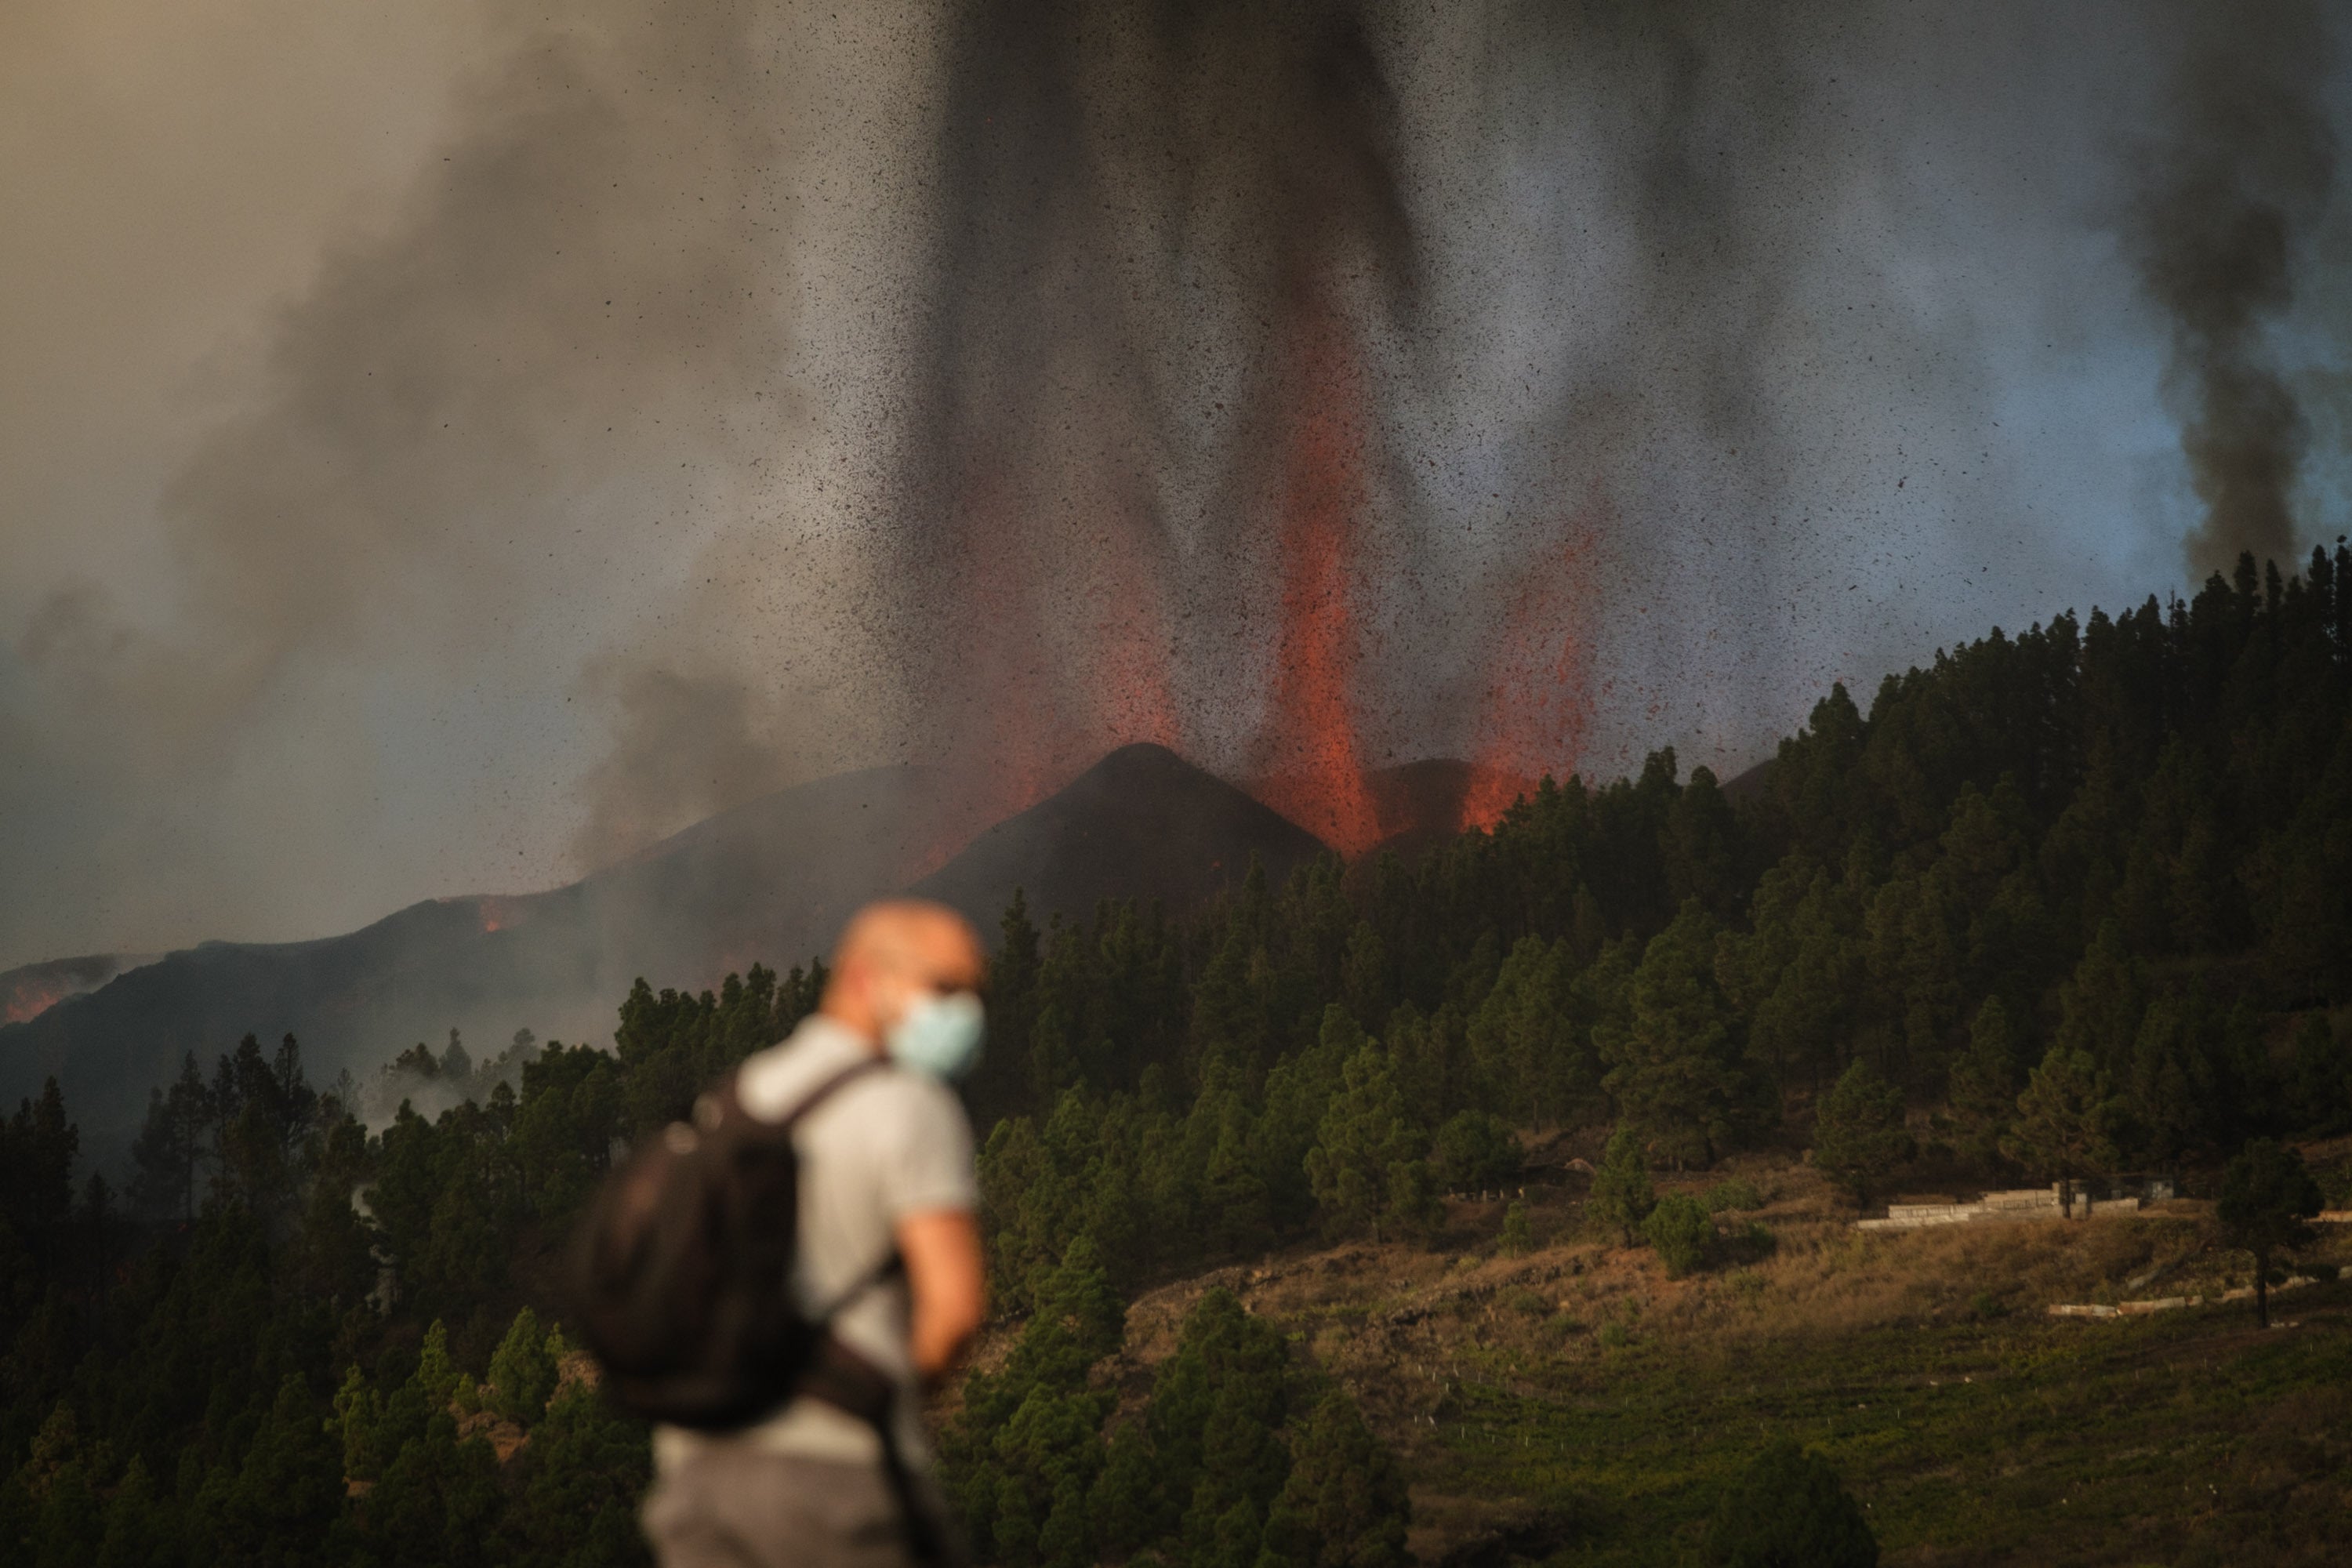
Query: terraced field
[[1574, 1406]]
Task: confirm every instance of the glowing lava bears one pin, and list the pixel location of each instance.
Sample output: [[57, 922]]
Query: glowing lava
[[28, 999], [1315, 772], [496, 914]]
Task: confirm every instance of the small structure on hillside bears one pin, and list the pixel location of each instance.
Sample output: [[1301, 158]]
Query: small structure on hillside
[[2092, 1199]]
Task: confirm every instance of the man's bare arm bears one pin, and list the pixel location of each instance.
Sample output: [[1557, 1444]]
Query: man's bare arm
[[948, 1282]]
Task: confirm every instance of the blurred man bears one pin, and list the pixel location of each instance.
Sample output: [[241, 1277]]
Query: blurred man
[[836, 1478]]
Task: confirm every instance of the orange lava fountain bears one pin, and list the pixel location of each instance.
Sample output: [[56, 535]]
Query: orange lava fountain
[[1316, 772]]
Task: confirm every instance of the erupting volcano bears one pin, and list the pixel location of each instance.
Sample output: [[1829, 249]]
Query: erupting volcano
[[1314, 755], [1158, 491]]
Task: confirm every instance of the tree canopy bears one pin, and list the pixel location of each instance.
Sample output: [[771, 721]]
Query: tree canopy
[[2086, 890]]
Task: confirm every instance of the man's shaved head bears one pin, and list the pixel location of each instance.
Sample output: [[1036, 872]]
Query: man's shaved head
[[893, 947]]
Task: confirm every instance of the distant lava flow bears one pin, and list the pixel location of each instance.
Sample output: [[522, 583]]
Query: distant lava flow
[[28, 993], [498, 913], [1312, 756], [28, 999]]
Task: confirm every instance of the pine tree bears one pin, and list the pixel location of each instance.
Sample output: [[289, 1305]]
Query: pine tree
[[1129, 1507], [523, 1369], [1527, 1044], [332, 1251], [437, 1500], [172, 1143], [1622, 1196], [1983, 1080], [1365, 1138], [1345, 1504], [290, 1487], [1053, 1066], [44, 1143], [359, 1421], [1216, 1409], [2174, 1080], [1677, 1064], [2320, 1077], [458, 1065], [578, 1485], [2267, 1195], [1365, 986], [139, 1533], [1858, 1133], [1297, 1094], [2103, 1002], [2065, 1121]]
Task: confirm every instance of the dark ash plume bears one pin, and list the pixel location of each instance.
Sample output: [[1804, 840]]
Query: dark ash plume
[[2234, 181], [1135, 196]]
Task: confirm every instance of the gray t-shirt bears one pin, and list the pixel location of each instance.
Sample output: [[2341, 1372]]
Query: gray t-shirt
[[883, 1146]]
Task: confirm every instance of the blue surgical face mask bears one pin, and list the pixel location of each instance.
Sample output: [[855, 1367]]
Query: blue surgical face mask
[[938, 1035]]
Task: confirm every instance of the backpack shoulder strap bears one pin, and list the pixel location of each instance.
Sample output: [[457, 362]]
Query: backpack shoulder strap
[[824, 1091], [890, 1263], [728, 1098]]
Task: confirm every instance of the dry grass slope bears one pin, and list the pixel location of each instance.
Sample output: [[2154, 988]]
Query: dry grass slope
[[1576, 1406]]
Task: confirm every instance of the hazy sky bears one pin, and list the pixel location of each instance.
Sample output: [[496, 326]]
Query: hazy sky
[[440, 448]]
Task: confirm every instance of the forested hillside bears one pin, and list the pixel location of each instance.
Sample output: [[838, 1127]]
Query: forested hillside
[[2065, 903]]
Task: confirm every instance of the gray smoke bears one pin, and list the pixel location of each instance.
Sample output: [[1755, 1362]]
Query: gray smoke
[[565, 341], [1149, 205], [742, 392], [588, 262], [689, 745], [1138, 200], [2230, 188]]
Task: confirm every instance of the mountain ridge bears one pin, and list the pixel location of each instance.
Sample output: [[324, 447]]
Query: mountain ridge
[[767, 881]]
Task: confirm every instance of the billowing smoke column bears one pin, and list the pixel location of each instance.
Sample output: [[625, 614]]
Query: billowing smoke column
[[2241, 170], [1150, 500], [748, 393]]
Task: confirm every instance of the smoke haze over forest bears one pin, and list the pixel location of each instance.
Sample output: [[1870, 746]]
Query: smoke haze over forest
[[449, 451]]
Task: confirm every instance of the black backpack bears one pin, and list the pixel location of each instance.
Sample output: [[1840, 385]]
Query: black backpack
[[682, 1270]]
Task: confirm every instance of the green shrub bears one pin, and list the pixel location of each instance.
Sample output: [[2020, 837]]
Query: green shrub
[[1622, 1196], [1530, 1303], [1682, 1232], [1473, 1151], [1733, 1194], [1789, 1510], [1519, 1238]]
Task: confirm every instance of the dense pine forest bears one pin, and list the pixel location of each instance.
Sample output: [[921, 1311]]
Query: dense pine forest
[[2062, 905]]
